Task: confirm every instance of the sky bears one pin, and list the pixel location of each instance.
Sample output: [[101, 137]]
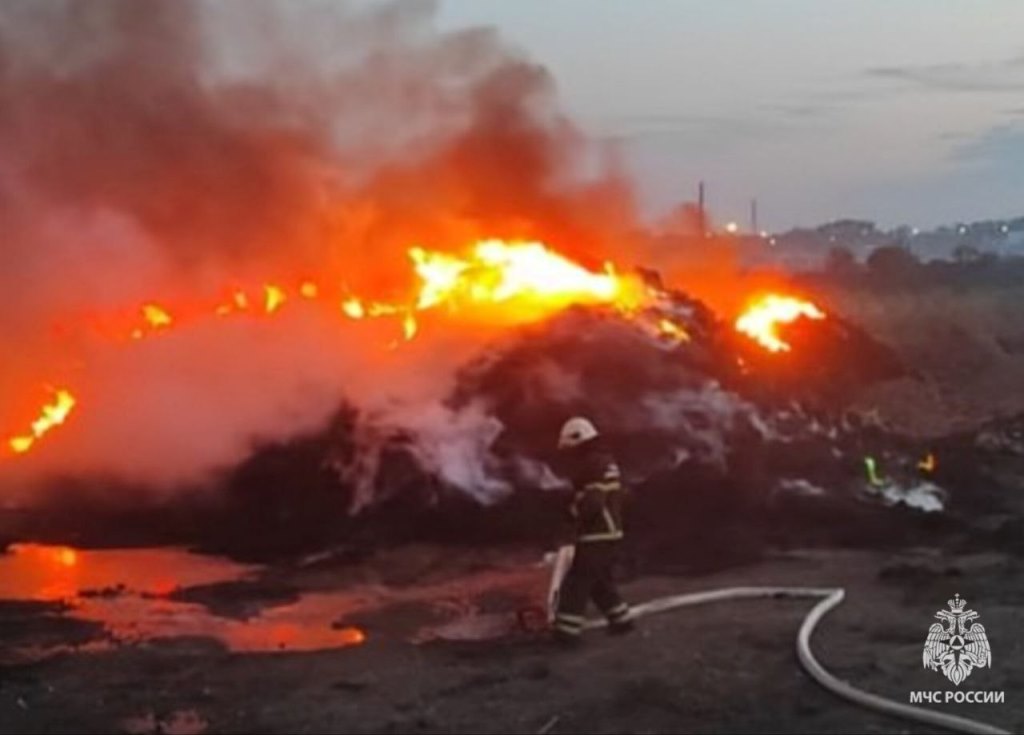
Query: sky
[[898, 111]]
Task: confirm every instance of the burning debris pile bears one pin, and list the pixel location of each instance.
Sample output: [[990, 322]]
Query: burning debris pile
[[361, 306], [728, 445], [713, 426], [674, 386]]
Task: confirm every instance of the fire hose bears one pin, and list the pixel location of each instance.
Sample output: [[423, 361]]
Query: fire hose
[[830, 597]]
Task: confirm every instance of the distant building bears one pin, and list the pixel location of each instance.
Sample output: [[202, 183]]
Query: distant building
[[804, 249]]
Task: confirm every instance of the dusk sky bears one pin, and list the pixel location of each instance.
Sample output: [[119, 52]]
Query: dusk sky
[[900, 111]]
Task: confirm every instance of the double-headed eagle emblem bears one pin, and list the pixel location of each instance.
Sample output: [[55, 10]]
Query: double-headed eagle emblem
[[956, 649]]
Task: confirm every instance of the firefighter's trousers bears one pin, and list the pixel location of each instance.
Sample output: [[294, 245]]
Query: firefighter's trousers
[[590, 578]]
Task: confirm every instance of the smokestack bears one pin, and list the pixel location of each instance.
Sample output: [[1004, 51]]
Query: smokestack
[[753, 216]]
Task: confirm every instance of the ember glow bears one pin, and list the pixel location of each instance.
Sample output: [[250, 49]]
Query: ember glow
[[52, 414], [766, 315]]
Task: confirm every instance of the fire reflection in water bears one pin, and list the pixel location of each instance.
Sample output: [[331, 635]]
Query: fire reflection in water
[[127, 591]]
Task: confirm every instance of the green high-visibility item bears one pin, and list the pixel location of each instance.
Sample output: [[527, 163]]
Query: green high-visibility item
[[872, 470]]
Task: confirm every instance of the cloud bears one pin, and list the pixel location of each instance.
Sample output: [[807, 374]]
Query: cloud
[[773, 121], [999, 147], [1006, 75]]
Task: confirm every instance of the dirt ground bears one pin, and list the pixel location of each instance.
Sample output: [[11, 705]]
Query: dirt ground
[[721, 667]]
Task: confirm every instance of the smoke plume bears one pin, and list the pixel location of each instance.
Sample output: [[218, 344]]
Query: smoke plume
[[163, 150]]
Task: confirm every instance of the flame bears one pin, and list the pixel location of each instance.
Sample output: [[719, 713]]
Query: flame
[[494, 280], [353, 308], [500, 281], [763, 318], [156, 316], [498, 272], [52, 414], [409, 326], [238, 301], [274, 297], [21, 444], [377, 308], [670, 329], [439, 273]]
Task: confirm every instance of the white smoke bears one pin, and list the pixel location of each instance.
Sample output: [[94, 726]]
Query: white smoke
[[702, 418]]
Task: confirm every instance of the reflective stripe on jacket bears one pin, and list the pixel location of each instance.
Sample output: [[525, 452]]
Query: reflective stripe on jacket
[[597, 500]]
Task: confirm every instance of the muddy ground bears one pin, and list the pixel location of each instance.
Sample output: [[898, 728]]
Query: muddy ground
[[443, 651]]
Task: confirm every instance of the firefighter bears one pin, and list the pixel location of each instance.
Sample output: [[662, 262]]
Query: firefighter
[[596, 510]]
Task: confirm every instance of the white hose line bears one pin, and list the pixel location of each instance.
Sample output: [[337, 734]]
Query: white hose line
[[830, 598]]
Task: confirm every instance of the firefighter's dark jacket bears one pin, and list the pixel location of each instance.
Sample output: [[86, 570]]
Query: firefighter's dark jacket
[[598, 497]]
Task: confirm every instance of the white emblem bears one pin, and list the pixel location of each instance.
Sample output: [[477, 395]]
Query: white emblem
[[956, 649]]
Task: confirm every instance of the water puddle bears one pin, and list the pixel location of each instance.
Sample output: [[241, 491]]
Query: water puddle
[[128, 593], [131, 596], [62, 573]]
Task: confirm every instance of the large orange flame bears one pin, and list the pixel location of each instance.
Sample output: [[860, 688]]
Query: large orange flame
[[525, 277], [765, 315], [494, 281], [52, 414]]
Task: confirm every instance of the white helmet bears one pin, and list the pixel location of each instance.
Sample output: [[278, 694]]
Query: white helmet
[[576, 431]]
